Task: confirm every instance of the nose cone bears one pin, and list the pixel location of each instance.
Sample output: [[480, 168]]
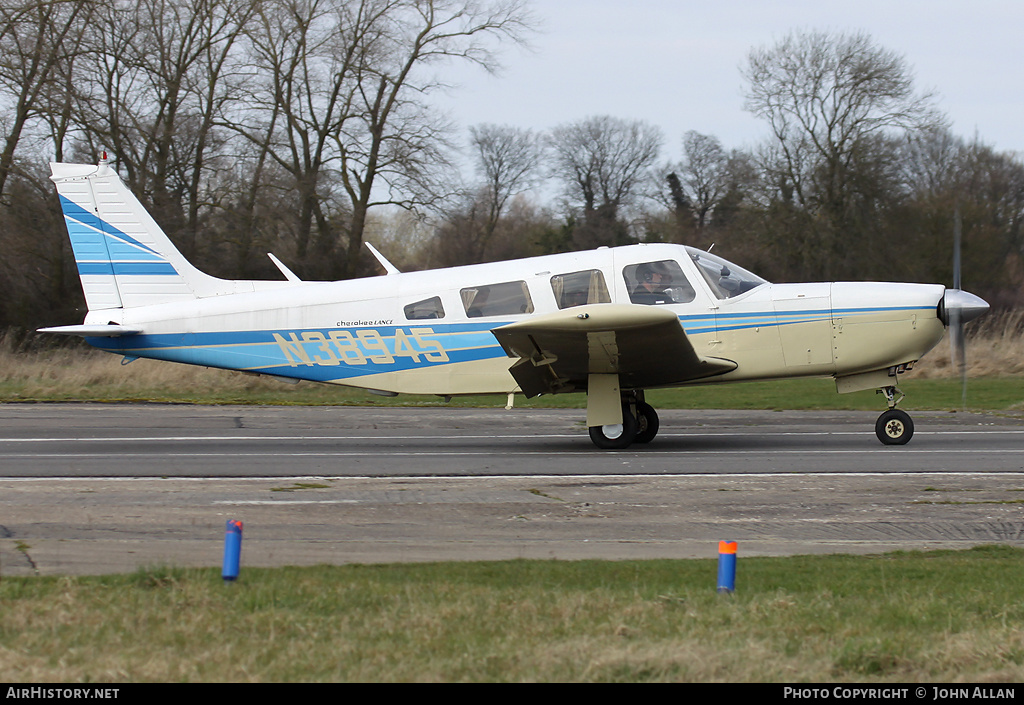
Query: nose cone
[[957, 302]]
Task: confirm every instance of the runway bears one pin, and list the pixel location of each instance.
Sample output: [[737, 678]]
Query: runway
[[92, 488]]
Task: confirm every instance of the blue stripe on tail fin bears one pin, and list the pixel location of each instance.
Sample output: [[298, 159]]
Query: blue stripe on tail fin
[[101, 249], [123, 257]]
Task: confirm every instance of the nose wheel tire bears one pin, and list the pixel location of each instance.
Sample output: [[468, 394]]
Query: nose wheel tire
[[894, 427]]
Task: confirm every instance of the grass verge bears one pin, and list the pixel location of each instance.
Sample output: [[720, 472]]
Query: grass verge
[[76, 374], [40, 368], [203, 386], [901, 617]]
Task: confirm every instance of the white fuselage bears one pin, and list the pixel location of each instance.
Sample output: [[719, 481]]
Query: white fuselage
[[429, 332]]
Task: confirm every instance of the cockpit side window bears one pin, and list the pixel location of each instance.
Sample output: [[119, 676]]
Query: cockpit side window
[[724, 278], [507, 298], [657, 283], [423, 310], [579, 288]]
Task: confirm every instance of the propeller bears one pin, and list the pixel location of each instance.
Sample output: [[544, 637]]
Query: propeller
[[959, 307], [957, 348]]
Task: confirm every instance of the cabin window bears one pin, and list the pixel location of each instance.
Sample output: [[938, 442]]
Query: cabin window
[[658, 283], [422, 310], [579, 288], [507, 298]]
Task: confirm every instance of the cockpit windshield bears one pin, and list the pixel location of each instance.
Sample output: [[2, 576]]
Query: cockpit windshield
[[725, 278]]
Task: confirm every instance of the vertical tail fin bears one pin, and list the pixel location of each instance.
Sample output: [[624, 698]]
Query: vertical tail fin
[[124, 259]]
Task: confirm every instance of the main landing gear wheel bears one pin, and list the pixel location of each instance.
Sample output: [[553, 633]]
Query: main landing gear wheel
[[894, 427], [616, 436], [647, 423]]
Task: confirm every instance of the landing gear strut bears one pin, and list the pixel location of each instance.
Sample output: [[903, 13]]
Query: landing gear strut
[[639, 425], [894, 427]]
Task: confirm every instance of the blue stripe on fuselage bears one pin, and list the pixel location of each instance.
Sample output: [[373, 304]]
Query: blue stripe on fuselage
[[327, 355], [312, 353]]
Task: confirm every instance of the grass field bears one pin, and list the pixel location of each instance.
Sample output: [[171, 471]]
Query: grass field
[[904, 617]]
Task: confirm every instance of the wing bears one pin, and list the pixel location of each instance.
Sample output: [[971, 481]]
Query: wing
[[645, 346]]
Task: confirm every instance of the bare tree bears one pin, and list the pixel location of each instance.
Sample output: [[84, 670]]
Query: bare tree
[[299, 49], [394, 138], [706, 191], [348, 79], [38, 38], [159, 75], [602, 163], [832, 101], [507, 159], [942, 174], [704, 171], [823, 95]]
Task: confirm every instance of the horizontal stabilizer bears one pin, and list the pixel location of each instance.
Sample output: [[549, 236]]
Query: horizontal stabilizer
[[92, 331]]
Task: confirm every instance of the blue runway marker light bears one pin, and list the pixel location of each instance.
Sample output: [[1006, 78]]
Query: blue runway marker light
[[232, 550], [726, 566]]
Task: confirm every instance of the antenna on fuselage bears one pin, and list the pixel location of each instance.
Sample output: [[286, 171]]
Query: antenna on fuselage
[[388, 267], [288, 274]]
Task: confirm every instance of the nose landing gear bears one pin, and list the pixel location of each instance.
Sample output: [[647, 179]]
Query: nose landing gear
[[894, 427]]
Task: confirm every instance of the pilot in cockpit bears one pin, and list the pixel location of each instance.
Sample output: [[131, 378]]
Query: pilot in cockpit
[[653, 279]]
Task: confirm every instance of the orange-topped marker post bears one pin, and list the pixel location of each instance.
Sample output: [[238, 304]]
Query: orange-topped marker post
[[232, 550], [726, 566]]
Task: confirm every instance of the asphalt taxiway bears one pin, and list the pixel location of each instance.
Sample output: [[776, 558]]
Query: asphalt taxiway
[[93, 488]]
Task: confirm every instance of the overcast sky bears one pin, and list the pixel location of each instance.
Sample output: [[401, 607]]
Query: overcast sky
[[676, 63]]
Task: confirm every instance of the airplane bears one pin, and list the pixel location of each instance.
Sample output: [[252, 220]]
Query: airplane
[[610, 322]]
